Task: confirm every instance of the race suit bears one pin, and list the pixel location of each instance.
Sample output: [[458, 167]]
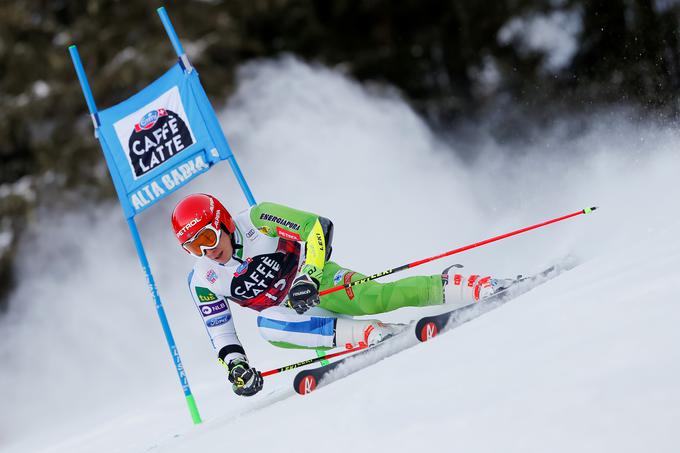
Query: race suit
[[272, 245]]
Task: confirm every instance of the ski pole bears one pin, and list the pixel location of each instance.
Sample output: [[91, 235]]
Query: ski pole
[[292, 366], [454, 251]]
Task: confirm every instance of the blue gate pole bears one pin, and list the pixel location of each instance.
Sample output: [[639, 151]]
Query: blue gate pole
[[191, 402], [184, 381], [220, 138], [241, 180]]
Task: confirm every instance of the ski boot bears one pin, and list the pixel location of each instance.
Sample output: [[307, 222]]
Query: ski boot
[[354, 332], [461, 291]]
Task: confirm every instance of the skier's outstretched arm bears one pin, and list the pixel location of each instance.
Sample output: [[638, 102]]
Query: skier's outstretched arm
[[219, 324]]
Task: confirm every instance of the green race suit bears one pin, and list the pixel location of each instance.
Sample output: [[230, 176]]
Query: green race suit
[[372, 297], [364, 299]]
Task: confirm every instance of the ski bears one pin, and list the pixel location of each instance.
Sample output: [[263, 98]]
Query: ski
[[425, 328], [430, 326], [306, 381]]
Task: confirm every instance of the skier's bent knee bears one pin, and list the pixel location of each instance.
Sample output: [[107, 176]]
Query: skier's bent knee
[[307, 332]]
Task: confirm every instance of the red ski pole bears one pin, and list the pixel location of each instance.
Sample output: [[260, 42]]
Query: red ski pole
[[454, 251], [292, 366]]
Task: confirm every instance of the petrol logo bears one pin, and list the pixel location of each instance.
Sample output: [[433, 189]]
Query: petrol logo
[[188, 226], [285, 234]]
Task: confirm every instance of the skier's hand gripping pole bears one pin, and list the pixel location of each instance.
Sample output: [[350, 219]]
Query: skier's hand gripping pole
[[246, 381], [454, 251]]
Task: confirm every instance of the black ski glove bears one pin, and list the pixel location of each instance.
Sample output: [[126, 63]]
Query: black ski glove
[[246, 381], [304, 294]]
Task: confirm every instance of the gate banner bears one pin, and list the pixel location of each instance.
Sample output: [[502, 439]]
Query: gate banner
[[159, 139]]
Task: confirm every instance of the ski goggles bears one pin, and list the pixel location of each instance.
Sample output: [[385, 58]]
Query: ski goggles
[[206, 238]]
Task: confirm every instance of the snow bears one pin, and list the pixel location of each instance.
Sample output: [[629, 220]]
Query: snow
[[665, 5], [6, 237], [41, 89], [486, 76], [587, 362], [555, 35], [21, 188]]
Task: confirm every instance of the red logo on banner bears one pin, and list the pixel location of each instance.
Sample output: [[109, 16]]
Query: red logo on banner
[[148, 120]]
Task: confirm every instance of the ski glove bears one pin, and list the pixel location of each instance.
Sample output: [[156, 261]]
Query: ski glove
[[245, 381], [303, 294]]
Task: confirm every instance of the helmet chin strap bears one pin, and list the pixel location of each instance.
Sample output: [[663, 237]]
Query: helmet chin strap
[[234, 245]]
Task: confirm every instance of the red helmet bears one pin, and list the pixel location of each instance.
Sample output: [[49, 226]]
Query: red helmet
[[195, 212]]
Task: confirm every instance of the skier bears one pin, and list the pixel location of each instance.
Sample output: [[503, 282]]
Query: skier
[[275, 259]]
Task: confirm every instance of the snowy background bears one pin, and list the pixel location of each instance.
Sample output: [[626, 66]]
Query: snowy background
[[587, 362]]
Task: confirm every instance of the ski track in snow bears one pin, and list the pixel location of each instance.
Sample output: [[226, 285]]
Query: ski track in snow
[[590, 361]]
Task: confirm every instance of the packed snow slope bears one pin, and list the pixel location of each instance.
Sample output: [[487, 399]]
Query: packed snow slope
[[590, 361]]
